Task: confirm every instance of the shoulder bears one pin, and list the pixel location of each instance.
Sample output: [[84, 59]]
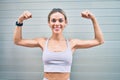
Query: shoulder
[[78, 43], [73, 42], [41, 41]]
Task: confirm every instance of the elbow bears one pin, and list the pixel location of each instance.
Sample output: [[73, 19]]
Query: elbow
[[16, 41], [101, 42]]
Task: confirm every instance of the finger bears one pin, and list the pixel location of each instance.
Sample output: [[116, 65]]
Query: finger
[[30, 15], [88, 13], [27, 15], [84, 14]]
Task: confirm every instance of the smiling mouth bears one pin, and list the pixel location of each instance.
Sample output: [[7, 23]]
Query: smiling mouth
[[57, 28]]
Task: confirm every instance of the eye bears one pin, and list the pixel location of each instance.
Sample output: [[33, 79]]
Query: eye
[[60, 20], [53, 20]]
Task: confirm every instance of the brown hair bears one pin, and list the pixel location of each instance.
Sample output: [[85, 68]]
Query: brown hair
[[54, 10]]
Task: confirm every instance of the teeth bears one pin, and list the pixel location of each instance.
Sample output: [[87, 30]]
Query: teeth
[[56, 26]]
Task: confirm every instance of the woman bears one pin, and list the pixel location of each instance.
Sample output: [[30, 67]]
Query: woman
[[57, 51]]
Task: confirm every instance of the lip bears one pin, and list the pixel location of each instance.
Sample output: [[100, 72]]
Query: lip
[[57, 28]]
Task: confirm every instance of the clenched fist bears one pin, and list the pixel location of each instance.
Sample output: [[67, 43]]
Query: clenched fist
[[87, 14], [24, 16]]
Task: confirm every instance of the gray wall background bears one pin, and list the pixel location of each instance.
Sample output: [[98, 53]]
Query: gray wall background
[[98, 63]]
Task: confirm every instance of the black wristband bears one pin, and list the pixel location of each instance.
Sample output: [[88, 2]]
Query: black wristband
[[19, 24]]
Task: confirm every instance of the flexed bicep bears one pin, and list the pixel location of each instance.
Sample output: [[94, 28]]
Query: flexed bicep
[[84, 43], [28, 43]]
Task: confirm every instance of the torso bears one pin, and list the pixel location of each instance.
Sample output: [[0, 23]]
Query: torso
[[57, 46], [56, 76]]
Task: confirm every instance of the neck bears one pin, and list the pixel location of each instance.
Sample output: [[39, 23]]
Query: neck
[[57, 37]]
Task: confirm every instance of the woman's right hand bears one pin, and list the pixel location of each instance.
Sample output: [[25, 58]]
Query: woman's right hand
[[24, 16]]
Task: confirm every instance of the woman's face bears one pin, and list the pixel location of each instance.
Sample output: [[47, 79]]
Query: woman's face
[[57, 22]]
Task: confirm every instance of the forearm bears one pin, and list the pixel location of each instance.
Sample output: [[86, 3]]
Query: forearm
[[17, 34], [97, 31], [18, 31]]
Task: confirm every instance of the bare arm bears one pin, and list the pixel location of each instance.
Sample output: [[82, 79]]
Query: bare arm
[[18, 40], [98, 36]]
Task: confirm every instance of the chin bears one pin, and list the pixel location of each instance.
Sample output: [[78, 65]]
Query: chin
[[57, 32]]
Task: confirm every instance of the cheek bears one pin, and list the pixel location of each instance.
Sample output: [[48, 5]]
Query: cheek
[[50, 24], [65, 24]]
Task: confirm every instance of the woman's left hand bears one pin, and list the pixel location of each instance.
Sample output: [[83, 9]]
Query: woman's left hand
[[87, 14]]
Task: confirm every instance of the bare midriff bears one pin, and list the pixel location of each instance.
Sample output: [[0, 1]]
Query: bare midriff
[[57, 75]]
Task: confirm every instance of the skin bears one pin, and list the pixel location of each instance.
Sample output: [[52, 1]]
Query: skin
[[57, 40]]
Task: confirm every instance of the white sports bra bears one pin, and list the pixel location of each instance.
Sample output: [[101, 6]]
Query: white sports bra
[[57, 61]]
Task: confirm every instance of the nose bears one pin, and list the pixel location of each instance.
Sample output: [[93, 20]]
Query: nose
[[57, 22]]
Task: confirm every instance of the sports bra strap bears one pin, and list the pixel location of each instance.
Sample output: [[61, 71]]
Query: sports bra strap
[[46, 43], [68, 44], [67, 41]]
